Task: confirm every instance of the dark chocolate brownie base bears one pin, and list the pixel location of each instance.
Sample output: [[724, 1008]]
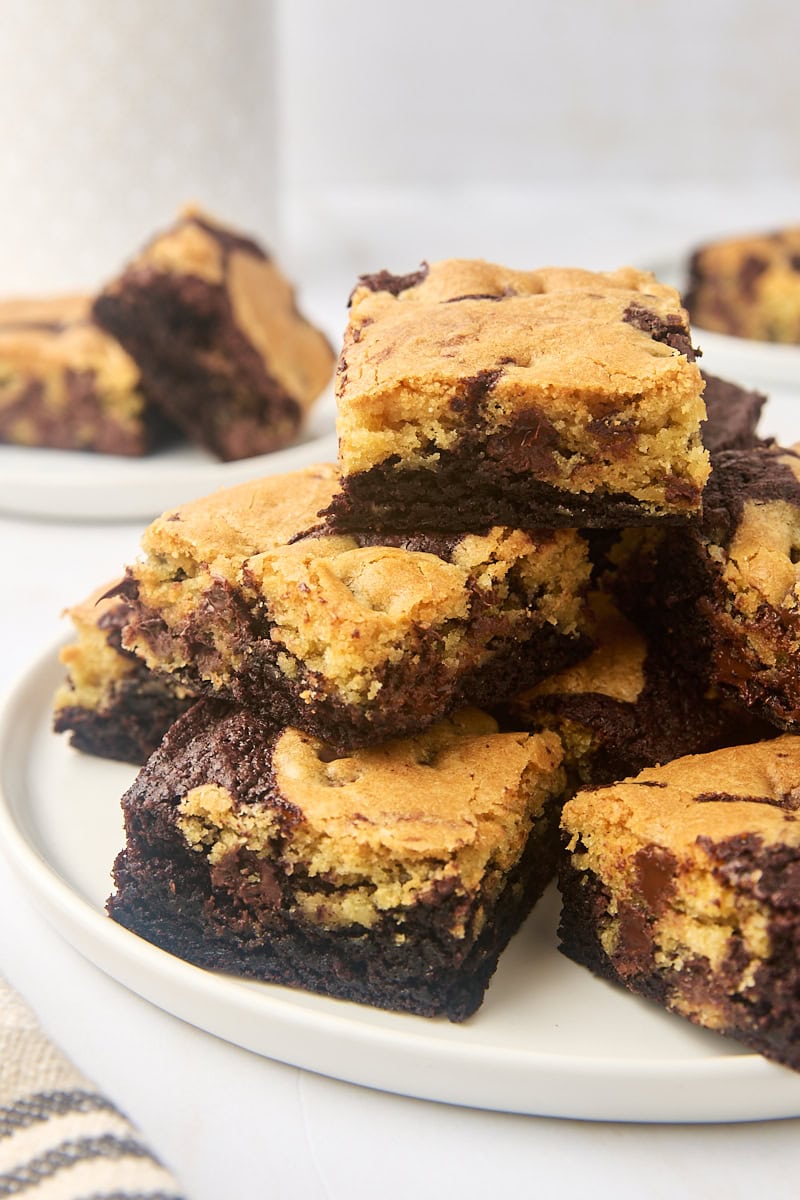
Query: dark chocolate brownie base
[[167, 902], [469, 490], [197, 367], [768, 1019], [733, 415], [671, 718], [129, 729]]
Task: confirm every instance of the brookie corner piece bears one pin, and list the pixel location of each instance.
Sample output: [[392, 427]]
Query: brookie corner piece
[[110, 704], [67, 385], [245, 595], [213, 326], [392, 877], [683, 885], [471, 395]]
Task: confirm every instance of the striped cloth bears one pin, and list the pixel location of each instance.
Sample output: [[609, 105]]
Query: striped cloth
[[59, 1138]]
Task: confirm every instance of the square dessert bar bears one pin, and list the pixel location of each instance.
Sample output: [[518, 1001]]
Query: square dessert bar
[[352, 637], [683, 885], [629, 705], [470, 395], [213, 326], [110, 704], [748, 286], [67, 385], [393, 876]]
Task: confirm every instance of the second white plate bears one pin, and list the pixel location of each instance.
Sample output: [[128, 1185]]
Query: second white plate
[[69, 485]]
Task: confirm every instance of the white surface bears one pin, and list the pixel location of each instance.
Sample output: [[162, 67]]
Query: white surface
[[549, 1038], [116, 115], [65, 485], [234, 1124], [461, 92]]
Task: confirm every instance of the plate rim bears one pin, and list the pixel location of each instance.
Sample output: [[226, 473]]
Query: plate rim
[[764, 363], [111, 488], [323, 1039]]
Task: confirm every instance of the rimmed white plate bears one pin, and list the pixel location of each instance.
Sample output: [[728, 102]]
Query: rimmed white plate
[[742, 360], [550, 1039], [68, 485]]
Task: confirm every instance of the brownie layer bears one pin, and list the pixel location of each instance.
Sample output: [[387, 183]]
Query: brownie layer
[[137, 714], [474, 487], [110, 704], [163, 897], [733, 413]]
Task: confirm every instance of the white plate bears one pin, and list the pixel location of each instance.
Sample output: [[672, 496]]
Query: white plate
[[549, 1039], [742, 360], [69, 485]]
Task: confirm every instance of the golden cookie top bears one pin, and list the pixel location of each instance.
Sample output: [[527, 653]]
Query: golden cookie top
[[555, 328], [737, 792]]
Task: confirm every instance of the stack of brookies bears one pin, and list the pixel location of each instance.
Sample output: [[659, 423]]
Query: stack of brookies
[[407, 663], [199, 337]]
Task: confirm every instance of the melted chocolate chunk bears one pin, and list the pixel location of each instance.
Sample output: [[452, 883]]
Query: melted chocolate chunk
[[751, 270], [527, 444], [385, 281], [670, 330], [790, 801], [655, 875], [474, 391]]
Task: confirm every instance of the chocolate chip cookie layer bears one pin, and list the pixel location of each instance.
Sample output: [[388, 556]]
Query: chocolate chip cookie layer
[[352, 637], [470, 394], [683, 885], [213, 327], [393, 876]]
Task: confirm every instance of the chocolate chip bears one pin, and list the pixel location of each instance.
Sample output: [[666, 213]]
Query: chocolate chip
[[669, 330], [655, 875], [751, 269], [385, 281]]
